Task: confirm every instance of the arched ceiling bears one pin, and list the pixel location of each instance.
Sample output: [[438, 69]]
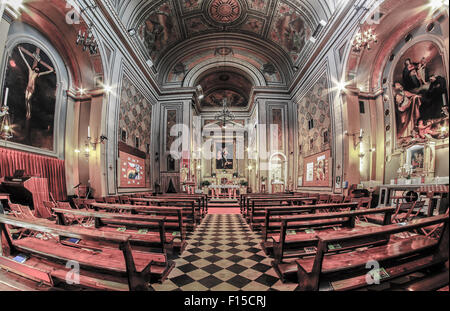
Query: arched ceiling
[[270, 33]]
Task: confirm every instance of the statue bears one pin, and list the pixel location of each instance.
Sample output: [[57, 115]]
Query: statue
[[33, 74]]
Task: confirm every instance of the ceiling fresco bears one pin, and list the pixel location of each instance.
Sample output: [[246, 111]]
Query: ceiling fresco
[[287, 25], [225, 84]]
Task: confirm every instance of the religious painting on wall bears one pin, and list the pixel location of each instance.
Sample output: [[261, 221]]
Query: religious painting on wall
[[224, 155], [415, 157], [132, 171], [290, 30], [31, 81], [420, 94], [317, 170], [158, 30]]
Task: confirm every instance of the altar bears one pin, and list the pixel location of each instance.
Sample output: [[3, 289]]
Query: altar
[[224, 191]]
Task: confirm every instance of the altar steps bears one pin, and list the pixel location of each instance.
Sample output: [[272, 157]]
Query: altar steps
[[223, 203]]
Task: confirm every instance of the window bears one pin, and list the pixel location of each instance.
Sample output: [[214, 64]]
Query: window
[[310, 124], [123, 135], [362, 108], [137, 142], [326, 138]]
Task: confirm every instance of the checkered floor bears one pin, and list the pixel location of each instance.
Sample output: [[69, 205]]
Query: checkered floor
[[223, 254]]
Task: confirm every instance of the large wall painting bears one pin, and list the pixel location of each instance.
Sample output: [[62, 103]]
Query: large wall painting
[[420, 94], [31, 81]]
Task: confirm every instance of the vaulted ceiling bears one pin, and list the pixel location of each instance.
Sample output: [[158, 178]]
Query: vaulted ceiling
[[270, 33]]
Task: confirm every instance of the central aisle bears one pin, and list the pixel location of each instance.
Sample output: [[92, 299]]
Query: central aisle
[[223, 254]]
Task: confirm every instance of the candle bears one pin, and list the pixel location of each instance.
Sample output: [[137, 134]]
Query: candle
[[89, 131], [6, 97], [361, 133]]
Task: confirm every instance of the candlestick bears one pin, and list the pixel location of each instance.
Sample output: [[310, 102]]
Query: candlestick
[[6, 97]]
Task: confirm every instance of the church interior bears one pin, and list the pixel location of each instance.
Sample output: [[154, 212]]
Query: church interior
[[224, 145]]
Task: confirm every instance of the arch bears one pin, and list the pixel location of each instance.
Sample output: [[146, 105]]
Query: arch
[[23, 33], [200, 69]]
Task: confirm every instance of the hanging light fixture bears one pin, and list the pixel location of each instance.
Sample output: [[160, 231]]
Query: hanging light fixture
[[225, 116], [87, 41], [364, 39]]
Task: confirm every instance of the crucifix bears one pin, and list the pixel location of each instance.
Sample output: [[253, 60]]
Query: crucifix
[[33, 74]]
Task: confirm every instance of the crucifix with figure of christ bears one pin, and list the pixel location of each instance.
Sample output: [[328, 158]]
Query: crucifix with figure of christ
[[33, 74]]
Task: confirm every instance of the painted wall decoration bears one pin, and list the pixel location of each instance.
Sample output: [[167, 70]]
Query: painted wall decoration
[[135, 115], [158, 30], [420, 94], [193, 59], [171, 121], [196, 25], [225, 11], [317, 170], [135, 120], [132, 171], [277, 141], [31, 80], [253, 24], [224, 155], [258, 5], [191, 5], [314, 106], [289, 30]]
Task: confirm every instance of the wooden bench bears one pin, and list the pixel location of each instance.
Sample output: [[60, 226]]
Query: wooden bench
[[191, 211], [398, 257], [272, 218], [108, 268], [201, 200], [146, 231], [298, 235], [256, 212], [245, 200], [173, 219]]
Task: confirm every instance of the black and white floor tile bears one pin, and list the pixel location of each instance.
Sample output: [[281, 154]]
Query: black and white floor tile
[[223, 254]]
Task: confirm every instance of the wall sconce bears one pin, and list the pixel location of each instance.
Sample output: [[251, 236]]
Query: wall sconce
[[5, 124], [357, 140], [91, 144]]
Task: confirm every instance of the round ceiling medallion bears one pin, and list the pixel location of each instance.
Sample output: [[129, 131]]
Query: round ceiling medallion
[[225, 11]]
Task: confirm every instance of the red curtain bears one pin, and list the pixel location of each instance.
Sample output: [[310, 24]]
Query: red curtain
[[36, 165]]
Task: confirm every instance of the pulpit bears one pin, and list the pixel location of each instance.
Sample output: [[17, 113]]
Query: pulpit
[[278, 187], [31, 191]]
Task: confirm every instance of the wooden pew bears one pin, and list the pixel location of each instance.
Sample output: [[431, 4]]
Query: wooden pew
[[272, 219], [288, 245], [347, 271], [245, 200], [153, 238], [191, 211], [256, 212], [116, 267], [202, 200], [173, 219]]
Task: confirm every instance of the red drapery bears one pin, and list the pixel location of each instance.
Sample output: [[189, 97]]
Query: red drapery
[[36, 165]]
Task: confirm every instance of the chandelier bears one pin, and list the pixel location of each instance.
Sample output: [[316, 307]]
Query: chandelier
[[87, 41], [364, 39], [225, 116]]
